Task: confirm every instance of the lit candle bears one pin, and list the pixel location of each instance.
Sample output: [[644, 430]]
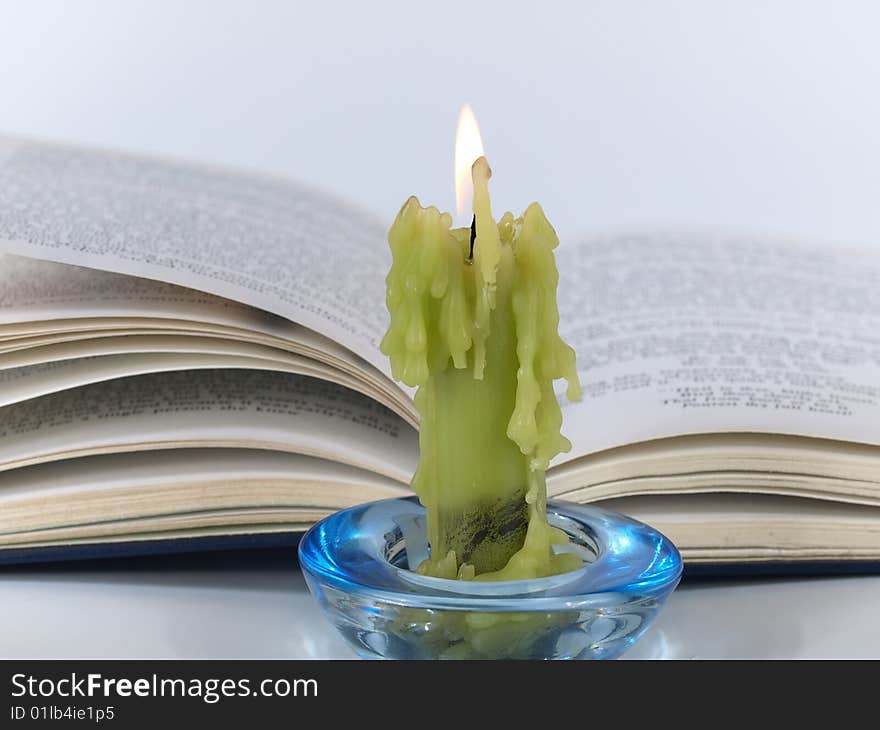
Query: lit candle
[[474, 326]]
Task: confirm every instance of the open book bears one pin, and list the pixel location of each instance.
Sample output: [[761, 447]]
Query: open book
[[189, 353]]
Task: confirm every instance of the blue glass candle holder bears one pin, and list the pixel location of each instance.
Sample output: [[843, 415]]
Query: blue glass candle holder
[[357, 565]]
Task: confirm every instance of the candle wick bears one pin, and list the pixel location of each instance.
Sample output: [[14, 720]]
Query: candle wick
[[470, 257]]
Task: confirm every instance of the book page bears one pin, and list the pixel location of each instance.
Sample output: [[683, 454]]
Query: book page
[[700, 333], [266, 242], [126, 343], [42, 291], [185, 466], [46, 297], [757, 527], [231, 408], [43, 296], [94, 490], [22, 383], [47, 366], [43, 302]]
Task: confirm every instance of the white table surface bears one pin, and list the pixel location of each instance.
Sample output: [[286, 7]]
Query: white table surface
[[257, 606], [751, 115]]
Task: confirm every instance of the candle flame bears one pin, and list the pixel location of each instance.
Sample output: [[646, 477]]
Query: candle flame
[[468, 147]]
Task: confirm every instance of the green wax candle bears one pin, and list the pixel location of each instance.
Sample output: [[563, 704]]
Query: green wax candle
[[479, 338]]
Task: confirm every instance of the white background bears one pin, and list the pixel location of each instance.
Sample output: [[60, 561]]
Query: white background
[[762, 116], [751, 114]]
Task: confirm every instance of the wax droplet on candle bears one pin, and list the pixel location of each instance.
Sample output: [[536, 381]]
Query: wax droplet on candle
[[487, 255], [542, 354]]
